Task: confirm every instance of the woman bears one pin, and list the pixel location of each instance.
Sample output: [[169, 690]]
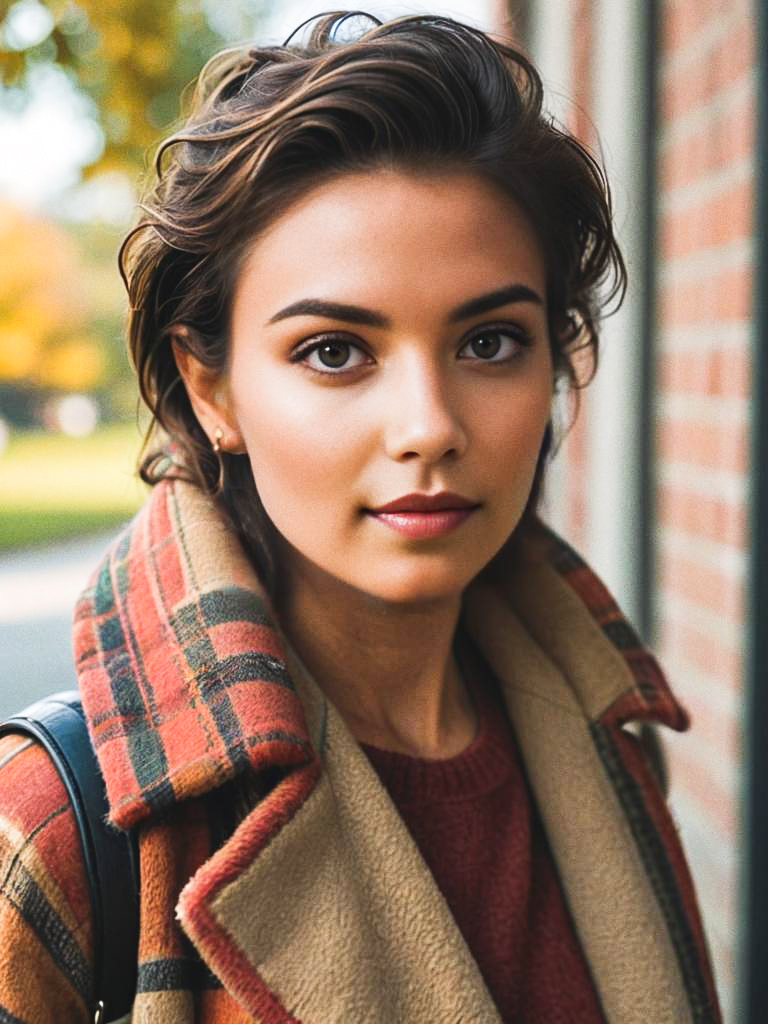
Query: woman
[[365, 712]]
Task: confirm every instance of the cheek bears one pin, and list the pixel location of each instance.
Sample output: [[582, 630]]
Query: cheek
[[302, 457], [513, 439]]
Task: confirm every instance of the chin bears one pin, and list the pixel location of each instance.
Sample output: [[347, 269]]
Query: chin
[[418, 588], [391, 579]]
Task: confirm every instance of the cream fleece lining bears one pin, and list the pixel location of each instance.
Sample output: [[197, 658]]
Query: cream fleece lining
[[617, 916], [351, 925], [342, 918], [560, 624]]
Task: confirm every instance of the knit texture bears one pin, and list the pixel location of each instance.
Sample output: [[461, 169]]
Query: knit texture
[[476, 827]]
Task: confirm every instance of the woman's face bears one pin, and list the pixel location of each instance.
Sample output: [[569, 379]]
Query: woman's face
[[389, 339]]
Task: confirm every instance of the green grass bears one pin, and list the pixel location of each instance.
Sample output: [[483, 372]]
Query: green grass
[[53, 486]]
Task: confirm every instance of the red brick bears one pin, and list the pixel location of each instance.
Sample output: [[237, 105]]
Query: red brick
[[704, 444], [732, 371], [694, 84], [581, 123], [577, 476], [719, 372], [682, 644], [707, 518], [681, 20], [721, 298], [724, 218], [713, 729], [727, 138], [705, 588], [692, 776]]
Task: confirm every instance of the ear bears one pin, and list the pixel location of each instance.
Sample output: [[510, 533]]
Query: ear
[[208, 395]]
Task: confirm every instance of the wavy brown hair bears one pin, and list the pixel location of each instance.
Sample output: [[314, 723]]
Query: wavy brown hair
[[266, 125]]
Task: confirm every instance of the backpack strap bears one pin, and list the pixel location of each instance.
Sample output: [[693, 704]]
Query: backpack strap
[[57, 722]]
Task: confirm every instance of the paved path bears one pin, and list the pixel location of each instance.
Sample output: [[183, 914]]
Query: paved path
[[38, 589]]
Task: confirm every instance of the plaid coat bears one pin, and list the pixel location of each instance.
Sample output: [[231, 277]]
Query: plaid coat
[[278, 883]]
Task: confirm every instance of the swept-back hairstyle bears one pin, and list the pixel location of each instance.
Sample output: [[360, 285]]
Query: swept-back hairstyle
[[267, 125]]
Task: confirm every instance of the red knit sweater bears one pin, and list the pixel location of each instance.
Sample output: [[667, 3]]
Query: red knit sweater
[[475, 823]]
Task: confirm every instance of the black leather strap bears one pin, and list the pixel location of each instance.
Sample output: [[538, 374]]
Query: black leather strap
[[111, 856]]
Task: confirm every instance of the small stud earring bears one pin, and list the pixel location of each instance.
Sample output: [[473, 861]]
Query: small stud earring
[[217, 439]]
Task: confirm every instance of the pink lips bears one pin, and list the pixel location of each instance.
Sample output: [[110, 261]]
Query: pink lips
[[423, 516]]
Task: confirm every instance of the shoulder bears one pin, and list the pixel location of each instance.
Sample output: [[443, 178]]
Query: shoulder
[[45, 913]]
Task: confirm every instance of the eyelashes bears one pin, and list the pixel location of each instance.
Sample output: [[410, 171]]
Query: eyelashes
[[336, 354], [332, 355], [489, 342]]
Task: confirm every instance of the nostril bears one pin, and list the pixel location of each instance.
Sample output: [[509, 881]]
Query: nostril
[[449, 453]]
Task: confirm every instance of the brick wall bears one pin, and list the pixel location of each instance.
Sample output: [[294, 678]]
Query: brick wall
[[703, 266], [704, 292], [575, 447]]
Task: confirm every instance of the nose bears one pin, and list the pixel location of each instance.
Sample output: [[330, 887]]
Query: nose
[[423, 417]]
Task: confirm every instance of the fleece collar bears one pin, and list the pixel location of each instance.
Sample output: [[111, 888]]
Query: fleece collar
[[183, 673]]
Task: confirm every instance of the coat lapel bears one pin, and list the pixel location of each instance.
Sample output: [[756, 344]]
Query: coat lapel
[[180, 667], [338, 916], [553, 699], [319, 908]]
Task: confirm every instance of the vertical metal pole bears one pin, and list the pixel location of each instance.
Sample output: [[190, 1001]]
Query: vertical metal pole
[[753, 994]]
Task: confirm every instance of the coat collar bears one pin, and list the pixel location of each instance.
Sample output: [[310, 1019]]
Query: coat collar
[[184, 674], [181, 671], [186, 684]]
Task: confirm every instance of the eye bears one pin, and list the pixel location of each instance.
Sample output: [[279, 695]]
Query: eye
[[331, 356], [495, 344]]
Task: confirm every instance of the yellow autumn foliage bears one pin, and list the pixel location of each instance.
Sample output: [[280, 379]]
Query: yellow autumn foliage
[[132, 59], [36, 252], [44, 312], [19, 354], [74, 365], [60, 318]]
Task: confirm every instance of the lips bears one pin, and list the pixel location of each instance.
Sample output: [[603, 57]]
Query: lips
[[426, 503], [425, 516]]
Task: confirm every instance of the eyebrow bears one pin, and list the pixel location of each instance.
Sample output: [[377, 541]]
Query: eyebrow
[[352, 314], [493, 300]]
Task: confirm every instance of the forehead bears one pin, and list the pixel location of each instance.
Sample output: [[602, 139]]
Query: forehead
[[388, 236]]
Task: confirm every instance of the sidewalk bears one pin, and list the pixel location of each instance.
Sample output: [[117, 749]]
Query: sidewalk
[[38, 589]]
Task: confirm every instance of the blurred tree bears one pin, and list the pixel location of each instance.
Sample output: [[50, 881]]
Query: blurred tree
[[132, 59], [51, 319], [61, 300]]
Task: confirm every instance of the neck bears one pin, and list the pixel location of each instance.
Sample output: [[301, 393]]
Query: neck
[[388, 668]]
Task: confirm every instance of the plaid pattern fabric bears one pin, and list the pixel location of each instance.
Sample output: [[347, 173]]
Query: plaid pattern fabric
[[189, 704], [651, 700], [182, 675], [44, 904]]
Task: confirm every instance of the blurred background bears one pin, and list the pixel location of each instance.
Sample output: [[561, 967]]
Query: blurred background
[[87, 90], [654, 481]]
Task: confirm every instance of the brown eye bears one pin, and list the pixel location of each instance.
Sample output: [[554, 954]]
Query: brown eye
[[333, 354], [495, 345], [485, 346]]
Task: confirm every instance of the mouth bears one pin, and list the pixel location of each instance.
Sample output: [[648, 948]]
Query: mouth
[[444, 501], [425, 516]]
